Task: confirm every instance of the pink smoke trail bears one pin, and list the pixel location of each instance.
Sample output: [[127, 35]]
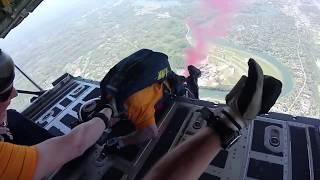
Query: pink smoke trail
[[216, 27]]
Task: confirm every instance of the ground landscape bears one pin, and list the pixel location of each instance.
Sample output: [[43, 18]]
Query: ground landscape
[[87, 38]]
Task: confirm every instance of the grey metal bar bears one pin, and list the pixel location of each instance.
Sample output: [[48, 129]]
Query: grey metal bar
[[25, 75], [39, 93]]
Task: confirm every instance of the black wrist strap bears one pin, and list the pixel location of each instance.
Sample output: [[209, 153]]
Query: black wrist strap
[[234, 122], [112, 109], [227, 136], [103, 105], [103, 117]]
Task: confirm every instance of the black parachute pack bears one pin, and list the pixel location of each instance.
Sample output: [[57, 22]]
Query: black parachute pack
[[134, 73]]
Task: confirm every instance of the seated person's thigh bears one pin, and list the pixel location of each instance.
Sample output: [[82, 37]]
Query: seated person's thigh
[[24, 131]]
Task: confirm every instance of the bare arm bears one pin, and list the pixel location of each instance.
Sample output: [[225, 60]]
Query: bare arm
[[140, 136], [55, 152], [184, 161]]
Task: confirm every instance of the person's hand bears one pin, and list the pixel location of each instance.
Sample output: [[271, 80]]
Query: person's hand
[[272, 88], [92, 107], [244, 100], [252, 95], [107, 112]]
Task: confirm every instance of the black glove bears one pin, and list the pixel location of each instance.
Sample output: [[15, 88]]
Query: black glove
[[245, 97], [92, 107], [250, 96], [271, 91], [253, 95]]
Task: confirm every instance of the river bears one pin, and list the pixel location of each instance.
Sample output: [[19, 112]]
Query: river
[[286, 75]]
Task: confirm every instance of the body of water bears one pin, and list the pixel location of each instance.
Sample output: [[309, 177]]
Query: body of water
[[287, 78]]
